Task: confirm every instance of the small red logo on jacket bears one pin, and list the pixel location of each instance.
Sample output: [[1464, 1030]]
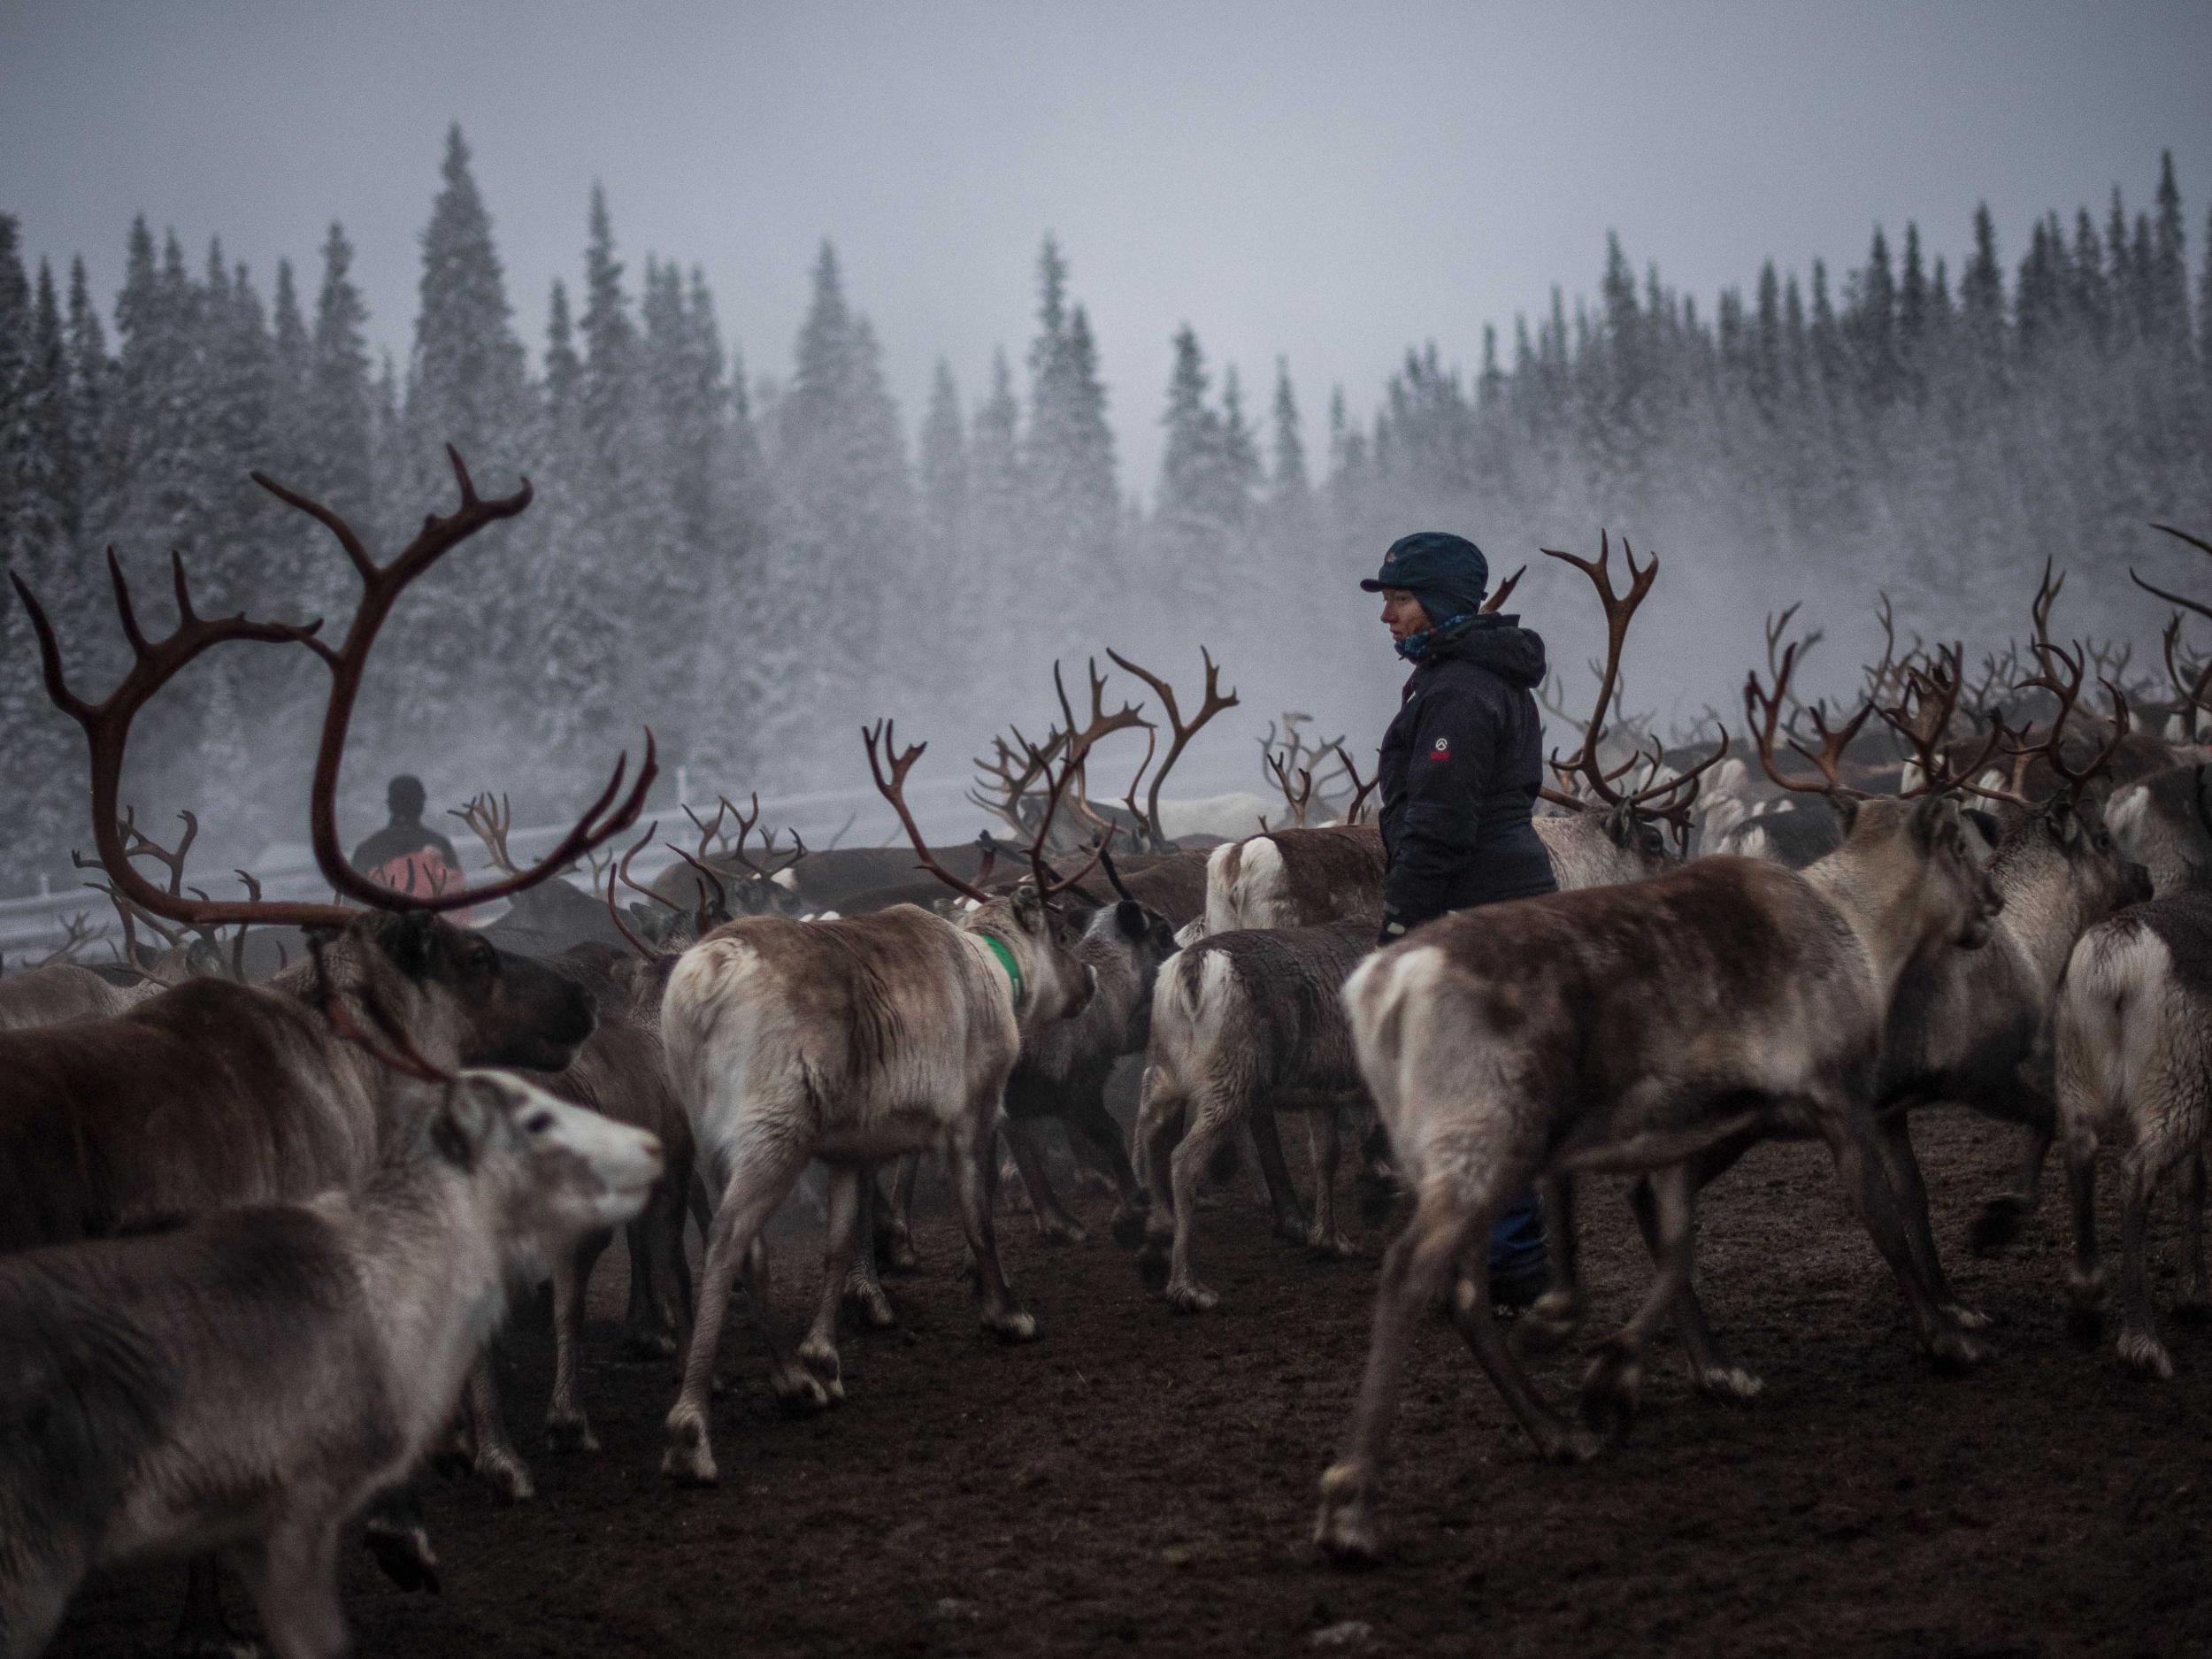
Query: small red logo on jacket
[[1440, 750]]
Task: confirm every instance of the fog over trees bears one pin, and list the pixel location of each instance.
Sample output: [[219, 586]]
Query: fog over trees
[[754, 553]]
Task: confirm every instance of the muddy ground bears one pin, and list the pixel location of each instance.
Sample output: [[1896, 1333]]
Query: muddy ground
[[1143, 1482]]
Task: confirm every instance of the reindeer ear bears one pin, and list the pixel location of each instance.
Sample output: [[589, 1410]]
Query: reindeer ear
[[1029, 909], [1620, 827], [1129, 921], [2064, 821], [1845, 807]]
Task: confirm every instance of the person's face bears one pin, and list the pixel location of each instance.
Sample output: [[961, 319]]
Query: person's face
[[1403, 615]]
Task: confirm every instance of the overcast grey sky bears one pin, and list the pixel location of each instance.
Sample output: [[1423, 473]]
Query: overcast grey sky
[[1330, 183]]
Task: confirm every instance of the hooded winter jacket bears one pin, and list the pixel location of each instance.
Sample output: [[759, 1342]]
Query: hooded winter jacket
[[1460, 769]]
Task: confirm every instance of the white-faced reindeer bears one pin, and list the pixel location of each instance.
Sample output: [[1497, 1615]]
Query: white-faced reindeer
[[248, 1382], [854, 1041], [1640, 1028]]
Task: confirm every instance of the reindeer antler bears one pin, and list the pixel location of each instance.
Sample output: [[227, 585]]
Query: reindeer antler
[[1763, 711], [1212, 704]]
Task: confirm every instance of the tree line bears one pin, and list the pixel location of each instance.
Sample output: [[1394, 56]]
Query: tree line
[[754, 561]]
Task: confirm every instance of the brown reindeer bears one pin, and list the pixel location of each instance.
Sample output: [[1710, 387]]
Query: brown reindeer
[[1659, 1027]]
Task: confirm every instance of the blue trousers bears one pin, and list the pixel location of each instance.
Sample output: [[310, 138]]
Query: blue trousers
[[1517, 1243]]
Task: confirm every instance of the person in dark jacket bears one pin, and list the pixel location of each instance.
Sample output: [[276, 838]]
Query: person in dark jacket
[[408, 855], [1460, 769]]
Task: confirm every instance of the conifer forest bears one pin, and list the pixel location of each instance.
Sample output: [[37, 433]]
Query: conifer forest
[[729, 522]]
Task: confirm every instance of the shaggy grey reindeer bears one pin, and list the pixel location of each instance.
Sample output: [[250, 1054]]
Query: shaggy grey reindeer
[[852, 1041], [248, 1382], [1244, 1025], [1630, 1029], [2135, 1071]]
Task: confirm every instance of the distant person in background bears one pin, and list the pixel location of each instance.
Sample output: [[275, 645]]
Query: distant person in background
[[408, 855]]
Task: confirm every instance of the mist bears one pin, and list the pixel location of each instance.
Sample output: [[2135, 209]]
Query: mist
[[866, 370]]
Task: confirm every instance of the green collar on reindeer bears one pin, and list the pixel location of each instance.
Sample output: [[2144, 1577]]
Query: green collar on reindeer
[[1006, 961]]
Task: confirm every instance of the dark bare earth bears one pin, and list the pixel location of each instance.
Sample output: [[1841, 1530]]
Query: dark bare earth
[[1141, 1482]]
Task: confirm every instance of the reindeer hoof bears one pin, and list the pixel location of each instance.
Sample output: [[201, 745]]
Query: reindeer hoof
[[1293, 1228], [2144, 1354], [216, 1642], [507, 1476], [1061, 1231], [1152, 1266], [1610, 1390], [1730, 1383], [1568, 1444], [650, 1345], [569, 1433], [1968, 1318], [1345, 1529], [1330, 1247], [1192, 1299], [1997, 1226], [897, 1255], [1011, 1327], [873, 1307], [1128, 1228], [688, 1460], [821, 1359], [800, 1392], [404, 1554], [1954, 1350], [1548, 1322]]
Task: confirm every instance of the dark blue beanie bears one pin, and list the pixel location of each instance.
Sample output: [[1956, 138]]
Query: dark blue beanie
[[1446, 572]]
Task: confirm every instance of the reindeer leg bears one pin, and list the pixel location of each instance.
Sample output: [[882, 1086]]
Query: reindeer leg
[[1998, 1223], [864, 1291], [497, 1462], [2193, 1305], [1415, 1270], [1162, 1115], [894, 1243], [819, 1352], [760, 1176], [1610, 1386], [1055, 1226], [566, 1428], [1847, 1127], [971, 1157], [293, 1578], [1894, 1141], [203, 1632], [1212, 1120], [2085, 1274], [1282, 1197], [1710, 1371], [1557, 1314], [2140, 1350], [1325, 1132], [399, 1539], [1097, 1126]]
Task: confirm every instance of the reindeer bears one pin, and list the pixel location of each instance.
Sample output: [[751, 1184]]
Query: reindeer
[[249, 1381], [1659, 1027], [854, 1041], [216, 1094]]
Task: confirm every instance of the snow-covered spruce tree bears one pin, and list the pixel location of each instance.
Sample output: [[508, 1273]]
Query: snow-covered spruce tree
[[844, 537], [466, 387], [1068, 468]]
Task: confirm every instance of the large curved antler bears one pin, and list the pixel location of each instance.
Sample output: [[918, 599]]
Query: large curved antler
[[381, 586], [106, 725], [1620, 609]]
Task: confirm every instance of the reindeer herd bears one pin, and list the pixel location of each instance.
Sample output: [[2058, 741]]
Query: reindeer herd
[[264, 1205]]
